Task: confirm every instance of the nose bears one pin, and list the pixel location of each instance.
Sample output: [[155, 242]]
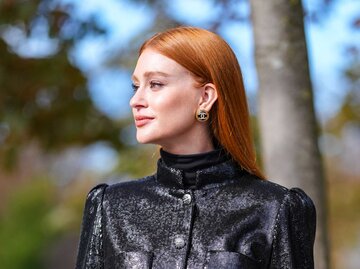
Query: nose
[[138, 100]]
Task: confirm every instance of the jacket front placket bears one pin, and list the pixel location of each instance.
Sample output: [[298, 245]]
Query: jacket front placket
[[181, 241]]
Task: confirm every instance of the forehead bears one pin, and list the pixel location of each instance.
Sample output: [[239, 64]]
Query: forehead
[[151, 61]]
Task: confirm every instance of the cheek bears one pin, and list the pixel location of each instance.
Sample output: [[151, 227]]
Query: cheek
[[176, 108]]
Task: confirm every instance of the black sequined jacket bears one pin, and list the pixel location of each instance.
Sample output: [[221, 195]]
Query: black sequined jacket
[[230, 220]]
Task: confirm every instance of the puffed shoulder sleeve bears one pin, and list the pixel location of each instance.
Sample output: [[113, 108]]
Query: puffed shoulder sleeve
[[294, 232], [90, 246]]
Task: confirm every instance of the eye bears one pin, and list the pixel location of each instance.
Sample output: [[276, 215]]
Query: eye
[[155, 84], [134, 87]]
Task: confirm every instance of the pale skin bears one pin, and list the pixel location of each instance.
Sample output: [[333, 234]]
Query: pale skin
[[165, 102]]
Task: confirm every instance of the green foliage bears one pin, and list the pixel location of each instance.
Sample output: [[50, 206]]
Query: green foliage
[[344, 212], [349, 112], [46, 98], [24, 228], [139, 162], [257, 140]]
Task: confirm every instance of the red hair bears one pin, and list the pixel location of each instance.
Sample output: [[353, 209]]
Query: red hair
[[211, 60]]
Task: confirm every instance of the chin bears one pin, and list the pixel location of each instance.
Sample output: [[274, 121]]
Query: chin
[[143, 139], [149, 139]]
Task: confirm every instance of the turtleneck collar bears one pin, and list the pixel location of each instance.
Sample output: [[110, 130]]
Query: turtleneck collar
[[195, 170], [193, 162]]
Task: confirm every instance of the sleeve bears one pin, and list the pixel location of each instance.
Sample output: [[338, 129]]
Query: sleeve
[[294, 232], [90, 245]]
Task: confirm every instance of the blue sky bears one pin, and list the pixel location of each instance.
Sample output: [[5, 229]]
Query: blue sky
[[327, 57], [111, 88]]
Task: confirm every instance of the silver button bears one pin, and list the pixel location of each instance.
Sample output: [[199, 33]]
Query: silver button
[[179, 242], [186, 199]]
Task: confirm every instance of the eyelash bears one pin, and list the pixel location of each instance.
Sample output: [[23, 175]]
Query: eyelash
[[152, 85], [134, 87], [155, 84]]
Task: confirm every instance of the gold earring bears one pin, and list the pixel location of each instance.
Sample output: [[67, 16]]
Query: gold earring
[[202, 115]]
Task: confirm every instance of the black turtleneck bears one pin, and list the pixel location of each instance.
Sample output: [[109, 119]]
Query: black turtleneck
[[190, 163]]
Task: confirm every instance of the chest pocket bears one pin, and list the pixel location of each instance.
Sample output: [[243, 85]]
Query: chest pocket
[[137, 260], [230, 260]]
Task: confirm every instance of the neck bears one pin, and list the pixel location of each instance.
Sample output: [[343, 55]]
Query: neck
[[195, 146], [198, 140]]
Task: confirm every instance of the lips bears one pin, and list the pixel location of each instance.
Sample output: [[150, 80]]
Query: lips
[[142, 120]]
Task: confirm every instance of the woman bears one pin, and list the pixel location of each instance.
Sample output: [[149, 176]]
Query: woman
[[208, 205]]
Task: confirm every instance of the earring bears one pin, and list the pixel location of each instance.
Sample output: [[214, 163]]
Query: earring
[[202, 115]]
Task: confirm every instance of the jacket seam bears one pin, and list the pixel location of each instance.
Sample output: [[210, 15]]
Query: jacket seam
[[102, 226], [276, 222]]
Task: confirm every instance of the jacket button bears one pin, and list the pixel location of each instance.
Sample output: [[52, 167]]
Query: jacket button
[[186, 199], [179, 242]]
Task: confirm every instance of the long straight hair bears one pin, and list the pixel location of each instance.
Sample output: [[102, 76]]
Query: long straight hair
[[211, 60]]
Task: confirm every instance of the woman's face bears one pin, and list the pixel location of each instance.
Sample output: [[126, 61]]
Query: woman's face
[[165, 100]]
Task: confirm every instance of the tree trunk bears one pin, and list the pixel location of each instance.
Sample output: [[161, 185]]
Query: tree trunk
[[286, 113]]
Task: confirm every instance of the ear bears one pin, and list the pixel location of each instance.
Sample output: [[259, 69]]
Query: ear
[[208, 96]]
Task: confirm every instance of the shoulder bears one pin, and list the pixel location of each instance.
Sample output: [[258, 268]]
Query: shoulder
[[131, 187], [267, 190], [299, 207], [297, 198], [262, 189], [118, 192], [96, 193], [291, 206], [293, 233], [105, 189]]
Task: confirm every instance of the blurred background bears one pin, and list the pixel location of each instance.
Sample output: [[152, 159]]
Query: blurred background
[[65, 123]]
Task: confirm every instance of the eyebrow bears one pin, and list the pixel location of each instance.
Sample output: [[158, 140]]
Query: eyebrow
[[152, 73]]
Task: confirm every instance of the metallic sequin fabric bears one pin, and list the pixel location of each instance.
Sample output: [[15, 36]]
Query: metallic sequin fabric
[[230, 220]]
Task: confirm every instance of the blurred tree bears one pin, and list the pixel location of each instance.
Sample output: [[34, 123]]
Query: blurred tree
[[342, 152], [25, 230], [286, 114], [43, 95], [349, 112]]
